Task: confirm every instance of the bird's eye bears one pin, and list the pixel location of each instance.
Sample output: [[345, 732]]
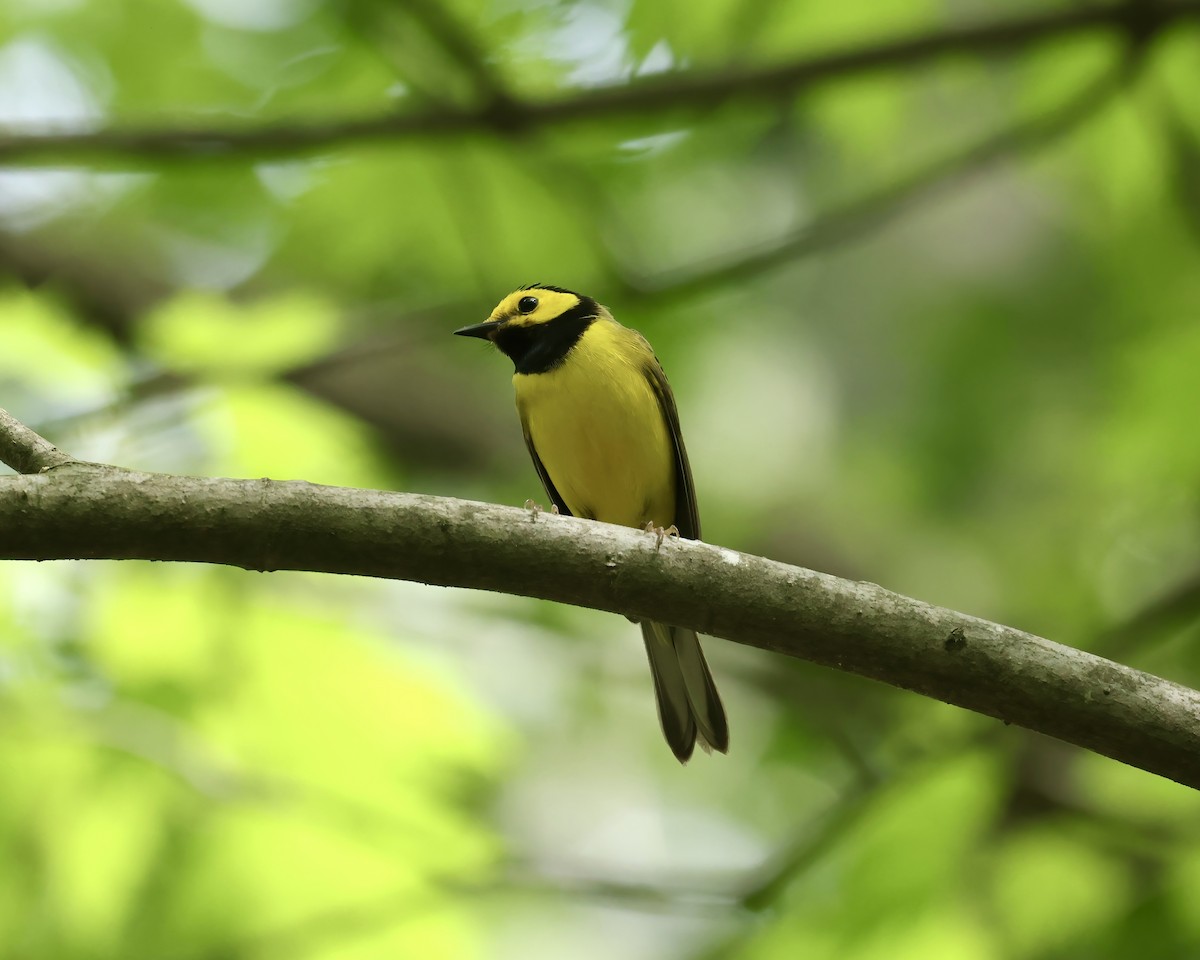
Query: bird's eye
[[527, 304]]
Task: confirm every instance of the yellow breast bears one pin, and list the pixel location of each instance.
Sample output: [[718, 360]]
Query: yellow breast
[[597, 427]]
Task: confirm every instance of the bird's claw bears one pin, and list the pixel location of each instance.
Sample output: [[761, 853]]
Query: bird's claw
[[660, 533], [535, 508]]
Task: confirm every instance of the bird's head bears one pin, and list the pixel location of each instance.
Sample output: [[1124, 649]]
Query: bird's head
[[536, 326]]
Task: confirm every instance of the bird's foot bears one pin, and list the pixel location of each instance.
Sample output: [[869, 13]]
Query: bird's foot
[[660, 533], [535, 508]]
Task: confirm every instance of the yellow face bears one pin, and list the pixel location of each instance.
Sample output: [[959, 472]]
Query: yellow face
[[527, 308], [537, 327]]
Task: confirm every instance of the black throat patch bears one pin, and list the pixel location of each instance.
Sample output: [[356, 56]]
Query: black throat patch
[[543, 346]]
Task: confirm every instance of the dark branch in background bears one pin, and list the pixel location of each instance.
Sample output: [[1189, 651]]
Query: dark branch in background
[[397, 31], [1172, 612], [861, 216], [88, 511], [1184, 148], [458, 43], [1134, 19], [100, 293]]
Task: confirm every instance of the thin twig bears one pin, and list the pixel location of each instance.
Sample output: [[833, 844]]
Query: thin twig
[[24, 450], [461, 46]]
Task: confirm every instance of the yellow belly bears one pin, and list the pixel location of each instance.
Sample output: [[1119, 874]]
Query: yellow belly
[[598, 430]]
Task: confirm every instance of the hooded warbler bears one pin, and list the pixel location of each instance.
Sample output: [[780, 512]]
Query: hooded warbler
[[601, 426]]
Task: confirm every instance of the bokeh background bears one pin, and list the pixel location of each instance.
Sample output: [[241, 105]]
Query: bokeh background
[[934, 325]]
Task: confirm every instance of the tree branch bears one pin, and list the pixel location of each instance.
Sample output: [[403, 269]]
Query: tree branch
[[24, 450], [89, 511], [1133, 19]]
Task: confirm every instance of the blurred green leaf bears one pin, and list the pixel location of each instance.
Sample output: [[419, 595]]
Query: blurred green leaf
[[1051, 891], [275, 430], [204, 333]]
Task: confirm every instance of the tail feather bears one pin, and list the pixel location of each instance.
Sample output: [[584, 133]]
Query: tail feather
[[688, 702], [707, 708]]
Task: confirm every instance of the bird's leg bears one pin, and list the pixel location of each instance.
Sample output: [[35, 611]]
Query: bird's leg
[[660, 533], [535, 508]]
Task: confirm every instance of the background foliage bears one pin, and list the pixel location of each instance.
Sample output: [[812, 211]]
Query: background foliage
[[933, 326]]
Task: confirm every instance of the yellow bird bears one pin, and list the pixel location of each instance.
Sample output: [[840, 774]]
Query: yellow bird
[[601, 426]]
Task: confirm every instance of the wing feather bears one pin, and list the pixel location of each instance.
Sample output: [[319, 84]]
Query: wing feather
[[547, 483], [687, 514]]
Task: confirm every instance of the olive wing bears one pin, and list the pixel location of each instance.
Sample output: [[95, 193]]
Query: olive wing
[[687, 514], [547, 484]]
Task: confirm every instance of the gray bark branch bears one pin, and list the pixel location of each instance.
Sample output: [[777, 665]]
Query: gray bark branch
[[74, 510], [24, 450]]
